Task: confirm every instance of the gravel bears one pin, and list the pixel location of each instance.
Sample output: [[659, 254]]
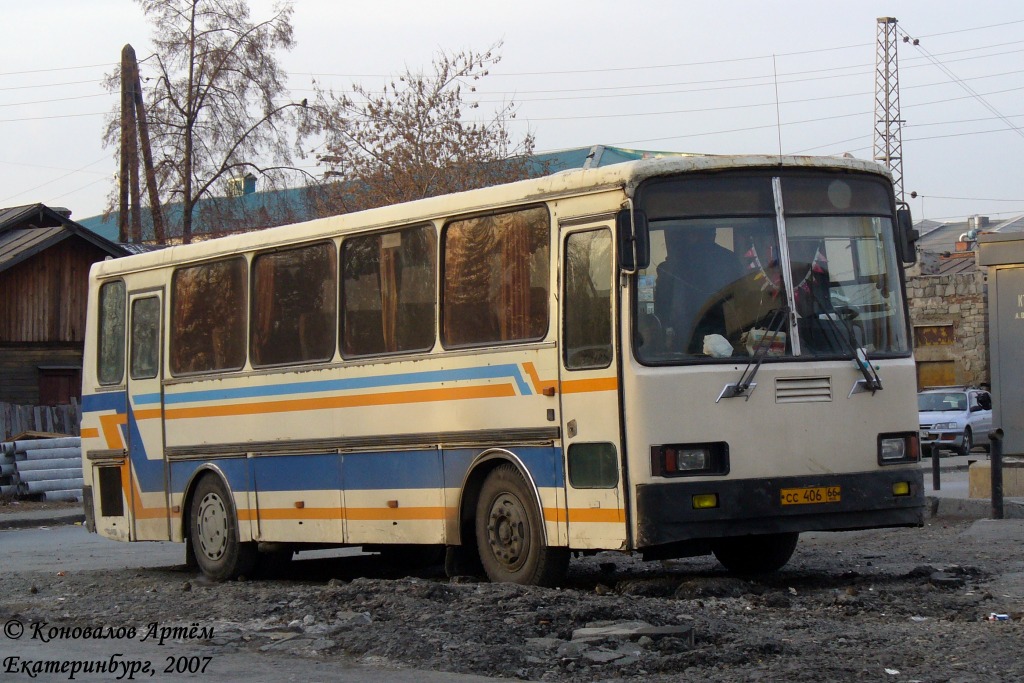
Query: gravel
[[899, 605]]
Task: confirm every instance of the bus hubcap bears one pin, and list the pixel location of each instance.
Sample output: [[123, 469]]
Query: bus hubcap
[[507, 530], [213, 526]]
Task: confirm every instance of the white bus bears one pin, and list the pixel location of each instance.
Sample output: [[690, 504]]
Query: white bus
[[673, 357]]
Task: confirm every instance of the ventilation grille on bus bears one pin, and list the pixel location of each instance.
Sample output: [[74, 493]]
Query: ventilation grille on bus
[[803, 390]]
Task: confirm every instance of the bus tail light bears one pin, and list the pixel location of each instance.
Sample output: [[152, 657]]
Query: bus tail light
[[681, 460], [898, 448]]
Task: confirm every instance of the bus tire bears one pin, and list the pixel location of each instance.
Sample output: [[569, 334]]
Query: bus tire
[[213, 527], [755, 554], [509, 533]]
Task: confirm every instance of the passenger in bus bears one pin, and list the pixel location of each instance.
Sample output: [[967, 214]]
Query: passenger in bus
[[690, 291]]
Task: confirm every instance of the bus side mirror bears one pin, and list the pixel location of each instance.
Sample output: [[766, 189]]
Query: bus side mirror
[[906, 235], [634, 246]]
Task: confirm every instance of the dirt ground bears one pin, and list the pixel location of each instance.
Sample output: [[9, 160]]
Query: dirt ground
[[892, 605]]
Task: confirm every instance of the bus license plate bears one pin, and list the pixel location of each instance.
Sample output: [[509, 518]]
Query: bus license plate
[[811, 495]]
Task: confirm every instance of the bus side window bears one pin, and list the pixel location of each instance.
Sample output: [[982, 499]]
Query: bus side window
[[388, 292], [587, 305], [208, 317], [294, 299], [496, 278], [110, 360]]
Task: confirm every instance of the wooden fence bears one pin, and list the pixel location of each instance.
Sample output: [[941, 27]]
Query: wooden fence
[[15, 419]]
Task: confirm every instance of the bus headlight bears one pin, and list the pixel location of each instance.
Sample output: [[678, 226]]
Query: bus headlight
[[680, 460], [898, 448]]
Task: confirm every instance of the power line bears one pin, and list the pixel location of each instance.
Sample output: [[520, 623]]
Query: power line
[[961, 83], [49, 85], [58, 99], [1001, 24], [56, 68], [54, 116], [50, 182], [967, 199]]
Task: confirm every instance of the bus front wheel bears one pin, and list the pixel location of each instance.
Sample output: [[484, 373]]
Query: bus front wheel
[[510, 536], [213, 528], [755, 554]]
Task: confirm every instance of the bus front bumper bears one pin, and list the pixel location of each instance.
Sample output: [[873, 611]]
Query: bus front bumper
[[668, 512]]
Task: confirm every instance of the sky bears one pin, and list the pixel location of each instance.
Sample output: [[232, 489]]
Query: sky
[[701, 76]]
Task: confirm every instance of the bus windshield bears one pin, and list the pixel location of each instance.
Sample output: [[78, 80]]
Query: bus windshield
[[784, 267]]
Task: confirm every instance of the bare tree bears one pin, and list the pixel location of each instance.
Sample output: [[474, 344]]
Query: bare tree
[[419, 137], [217, 101]]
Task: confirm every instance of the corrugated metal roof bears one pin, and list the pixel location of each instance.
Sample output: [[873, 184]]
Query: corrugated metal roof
[[34, 214], [18, 245], [28, 230], [954, 265], [941, 238]]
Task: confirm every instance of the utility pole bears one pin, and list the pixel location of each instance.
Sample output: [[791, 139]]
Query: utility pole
[[888, 147], [127, 135], [134, 128]]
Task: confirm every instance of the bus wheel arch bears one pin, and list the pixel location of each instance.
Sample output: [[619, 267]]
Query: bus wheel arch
[[462, 558], [211, 529], [508, 527]]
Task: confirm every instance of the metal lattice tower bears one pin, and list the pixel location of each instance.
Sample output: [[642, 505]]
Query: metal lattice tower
[[888, 148]]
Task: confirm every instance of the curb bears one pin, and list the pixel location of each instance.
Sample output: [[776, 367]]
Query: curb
[[8, 522], [972, 508]]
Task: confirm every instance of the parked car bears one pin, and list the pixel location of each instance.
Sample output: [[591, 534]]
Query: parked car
[[954, 418]]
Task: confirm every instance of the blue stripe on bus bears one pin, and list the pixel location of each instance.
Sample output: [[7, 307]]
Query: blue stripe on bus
[[312, 472], [508, 370], [235, 470], [544, 464], [113, 400], [396, 470], [149, 473], [369, 471]]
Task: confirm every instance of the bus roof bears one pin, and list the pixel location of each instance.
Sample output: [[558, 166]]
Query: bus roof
[[626, 175]]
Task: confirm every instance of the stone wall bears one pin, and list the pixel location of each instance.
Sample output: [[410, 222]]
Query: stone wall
[[960, 300]]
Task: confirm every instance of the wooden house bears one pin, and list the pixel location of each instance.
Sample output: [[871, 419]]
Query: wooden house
[[44, 271]]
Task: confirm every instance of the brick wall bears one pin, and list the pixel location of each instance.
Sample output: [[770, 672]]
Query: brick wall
[[959, 300]]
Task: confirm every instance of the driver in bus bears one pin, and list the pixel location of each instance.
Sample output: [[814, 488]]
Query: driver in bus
[[689, 286]]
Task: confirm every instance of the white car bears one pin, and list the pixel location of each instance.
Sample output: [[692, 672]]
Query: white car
[[954, 418]]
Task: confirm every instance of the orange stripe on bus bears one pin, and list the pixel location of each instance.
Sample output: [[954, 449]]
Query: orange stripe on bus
[[409, 513], [554, 515], [252, 515], [355, 514], [538, 385], [616, 515], [580, 386], [109, 425], [326, 403], [132, 493], [89, 433], [147, 414]]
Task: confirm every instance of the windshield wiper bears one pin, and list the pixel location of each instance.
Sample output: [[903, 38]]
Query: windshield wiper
[[844, 335], [746, 384]]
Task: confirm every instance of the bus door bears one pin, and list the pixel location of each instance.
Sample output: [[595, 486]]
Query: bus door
[[589, 392], [148, 494]]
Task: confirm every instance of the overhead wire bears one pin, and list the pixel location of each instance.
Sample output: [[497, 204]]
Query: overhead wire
[[956, 79]]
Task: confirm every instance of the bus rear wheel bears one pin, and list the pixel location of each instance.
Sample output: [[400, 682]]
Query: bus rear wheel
[[509, 533], [213, 527], [755, 554]]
